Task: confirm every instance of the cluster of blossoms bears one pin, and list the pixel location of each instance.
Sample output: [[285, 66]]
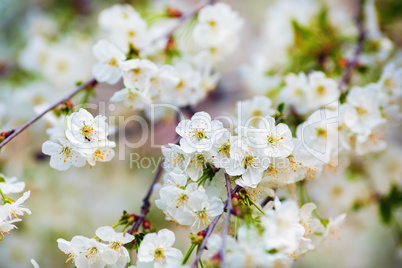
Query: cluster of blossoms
[[185, 80], [155, 251], [282, 234], [266, 156], [88, 252], [80, 138], [10, 209], [357, 124], [260, 159], [309, 93]]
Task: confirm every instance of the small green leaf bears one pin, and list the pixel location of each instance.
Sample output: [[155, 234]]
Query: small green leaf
[[385, 210], [281, 107], [389, 202], [272, 251], [324, 222]]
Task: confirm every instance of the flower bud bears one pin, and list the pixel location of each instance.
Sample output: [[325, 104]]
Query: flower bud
[[4, 135], [196, 239], [146, 224], [174, 13], [235, 202]]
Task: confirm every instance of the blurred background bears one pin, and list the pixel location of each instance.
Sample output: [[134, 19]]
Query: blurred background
[[78, 201]]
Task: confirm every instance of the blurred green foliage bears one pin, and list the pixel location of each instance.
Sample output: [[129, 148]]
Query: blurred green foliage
[[317, 46]]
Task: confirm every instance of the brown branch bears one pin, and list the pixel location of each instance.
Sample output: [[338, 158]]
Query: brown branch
[[226, 223], [145, 202], [208, 233], [91, 82], [358, 48]]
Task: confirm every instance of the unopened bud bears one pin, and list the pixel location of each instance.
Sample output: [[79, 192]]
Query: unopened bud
[[235, 201], [196, 239], [131, 219], [174, 13], [146, 224], [171, 44], [4, 135], [202, 233], [66, 106]]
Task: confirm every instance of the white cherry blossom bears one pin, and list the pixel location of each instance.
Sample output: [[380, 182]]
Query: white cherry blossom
[[247, 162], [174, 199], [274, 141], [175, 158], [199, 133], [179, 84], [104, 153], [11, 185], [283, 230], [322, 91], [16, 208], [217, 30], [157, 249], [198, 162], [125, 25], [91, 253], [200, 212], [295, 92], [366, 110], [85, 131], [108, 69], [116, 242], [63, 155], [221, 150], [250, 112]]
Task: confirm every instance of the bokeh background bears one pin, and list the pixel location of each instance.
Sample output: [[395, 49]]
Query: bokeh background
[[78, 201]]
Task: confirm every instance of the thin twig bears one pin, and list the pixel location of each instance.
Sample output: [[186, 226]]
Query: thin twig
[[226, 223], [358, 48], [209, 231], [145, 202], [91, 82]]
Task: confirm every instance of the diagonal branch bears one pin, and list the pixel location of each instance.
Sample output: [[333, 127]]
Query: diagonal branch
[[358, 48], [209, 231], [93, 82], [226, 223], [146, 204]]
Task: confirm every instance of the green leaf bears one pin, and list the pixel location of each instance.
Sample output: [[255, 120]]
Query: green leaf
[[2, 179], [281, 107], [272, 251], [385, 210], [387, 204]]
